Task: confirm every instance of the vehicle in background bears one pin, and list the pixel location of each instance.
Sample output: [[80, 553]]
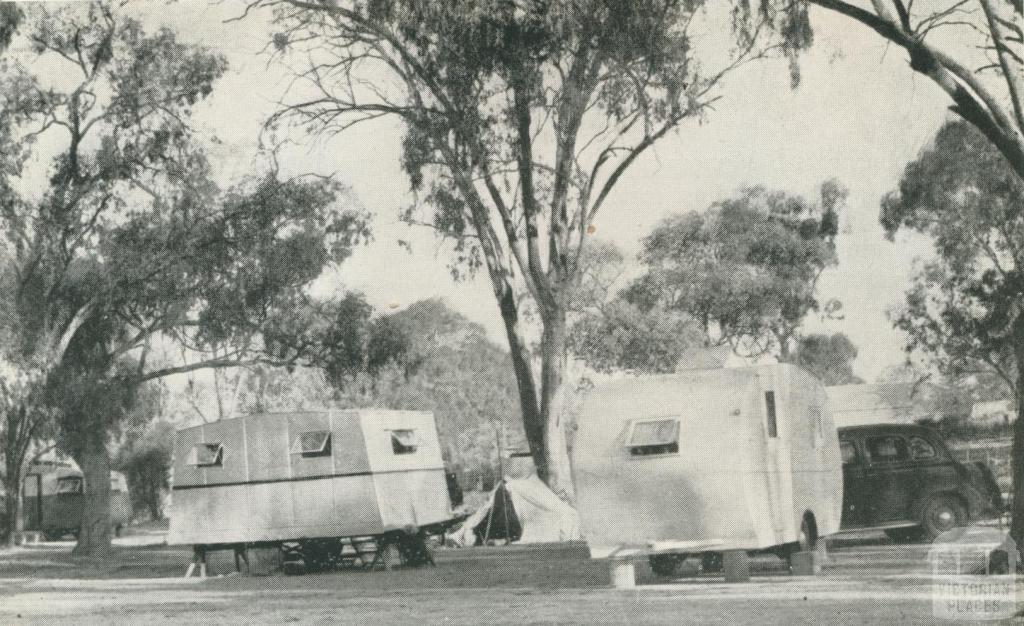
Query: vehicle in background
[[707, 461], [53, 496], [901, 478]]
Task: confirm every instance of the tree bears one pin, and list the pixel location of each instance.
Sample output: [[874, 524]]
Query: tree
[[132, 244], [829, 357], [520, 118], [980, 67], [746, 269], [10, 18], [964, 309], [145, 460], [624, 337]]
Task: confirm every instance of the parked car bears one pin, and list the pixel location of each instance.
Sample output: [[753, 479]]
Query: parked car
[[901, 478]]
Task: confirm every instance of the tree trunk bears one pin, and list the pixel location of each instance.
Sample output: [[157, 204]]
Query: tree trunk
[[12, 520], [12, 514], [533, 419], [553, 397], [1017, 454], [95, 534]]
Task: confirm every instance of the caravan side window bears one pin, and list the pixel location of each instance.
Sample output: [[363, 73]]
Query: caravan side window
[[207, 455], [769, 403], [404, 441], [312, 444], [654, 437]]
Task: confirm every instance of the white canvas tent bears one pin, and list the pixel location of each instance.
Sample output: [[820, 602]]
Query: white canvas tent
[[536, 515]]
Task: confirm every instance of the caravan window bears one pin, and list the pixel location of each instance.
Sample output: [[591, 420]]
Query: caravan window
[[769, 403], [404, 441], [312, 444], [654, 437], [69, 484], [207, 455]]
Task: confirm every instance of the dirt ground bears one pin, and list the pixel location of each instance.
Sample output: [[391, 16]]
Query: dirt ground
[[865, 581]]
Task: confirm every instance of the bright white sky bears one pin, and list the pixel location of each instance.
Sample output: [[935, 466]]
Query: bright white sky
[[860, 115]]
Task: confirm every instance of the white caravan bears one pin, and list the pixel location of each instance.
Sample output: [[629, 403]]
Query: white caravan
[[707, 461]]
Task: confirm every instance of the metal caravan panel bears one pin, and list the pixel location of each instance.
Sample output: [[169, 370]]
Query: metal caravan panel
[[815, 458], [230, 434], [285, 498], [266, 440], [307, 465], [695, 495], [410, 487], [378, 426], [184, 473], [349, 443], [412, 498]]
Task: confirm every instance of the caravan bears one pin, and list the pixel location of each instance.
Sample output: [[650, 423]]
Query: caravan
[[307, 475], [54, 500], [707, 461]]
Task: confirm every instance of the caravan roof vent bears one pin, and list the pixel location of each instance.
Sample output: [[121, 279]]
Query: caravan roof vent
[[207, 455], [312, 444], [404, 441], [651, 437]]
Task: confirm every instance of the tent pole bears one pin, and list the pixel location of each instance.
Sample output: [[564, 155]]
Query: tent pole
[[504, 491], [490, 518]]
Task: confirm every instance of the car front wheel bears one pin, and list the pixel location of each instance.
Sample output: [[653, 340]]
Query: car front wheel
[[942, 514]]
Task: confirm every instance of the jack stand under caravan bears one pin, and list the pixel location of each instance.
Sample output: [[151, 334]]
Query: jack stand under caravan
[[710, 462], [325, 489]]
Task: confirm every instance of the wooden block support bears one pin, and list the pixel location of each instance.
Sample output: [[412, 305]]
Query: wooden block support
[[805, 563], [623, 574], [736, 564]]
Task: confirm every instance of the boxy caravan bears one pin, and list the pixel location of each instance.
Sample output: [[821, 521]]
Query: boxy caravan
[[707, 461], [271, 478], [53, 500]]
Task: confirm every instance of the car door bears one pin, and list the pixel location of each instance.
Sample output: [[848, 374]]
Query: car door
[[854, 504], [890, 479], [934, 469]]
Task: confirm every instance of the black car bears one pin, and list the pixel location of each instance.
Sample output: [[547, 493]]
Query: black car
[[902, 479]]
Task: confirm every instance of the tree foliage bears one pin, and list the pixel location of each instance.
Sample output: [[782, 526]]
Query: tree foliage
[[829, 357], [745, 270], [621, 336], [964, 307], [145, 460], [130, 243]]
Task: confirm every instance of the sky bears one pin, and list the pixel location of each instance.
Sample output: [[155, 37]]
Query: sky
[[860, 115]]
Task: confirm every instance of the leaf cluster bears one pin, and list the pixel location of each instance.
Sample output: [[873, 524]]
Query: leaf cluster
[[745, 269]]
